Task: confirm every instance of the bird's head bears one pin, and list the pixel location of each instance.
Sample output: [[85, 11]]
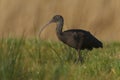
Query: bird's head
[[55, 19]]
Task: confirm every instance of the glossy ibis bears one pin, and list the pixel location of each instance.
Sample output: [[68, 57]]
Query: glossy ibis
[[75, 38]]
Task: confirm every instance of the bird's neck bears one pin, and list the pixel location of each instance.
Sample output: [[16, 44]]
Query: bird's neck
[[59, 27]]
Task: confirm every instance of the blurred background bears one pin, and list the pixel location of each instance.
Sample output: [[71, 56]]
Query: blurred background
[[25, 17]]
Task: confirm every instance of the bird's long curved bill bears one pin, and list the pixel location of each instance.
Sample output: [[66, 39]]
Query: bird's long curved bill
[[43, 27]]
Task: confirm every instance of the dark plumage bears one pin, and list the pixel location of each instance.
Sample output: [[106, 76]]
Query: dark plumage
[[75, 38]]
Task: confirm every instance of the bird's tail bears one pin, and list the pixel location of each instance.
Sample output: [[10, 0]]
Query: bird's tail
[[98, 43]]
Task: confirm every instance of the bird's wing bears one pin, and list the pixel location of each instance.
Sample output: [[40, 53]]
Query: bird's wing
[[79, 38], [92, 40]]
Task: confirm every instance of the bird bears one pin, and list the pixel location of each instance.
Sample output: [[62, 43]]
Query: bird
[[78, 39]]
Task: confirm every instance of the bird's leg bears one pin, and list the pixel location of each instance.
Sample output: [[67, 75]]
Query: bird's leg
[[80, 58]]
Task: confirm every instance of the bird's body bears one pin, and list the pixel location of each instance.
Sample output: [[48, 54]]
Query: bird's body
[[75, 38]]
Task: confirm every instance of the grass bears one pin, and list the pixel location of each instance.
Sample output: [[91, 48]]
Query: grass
[[34, 59]]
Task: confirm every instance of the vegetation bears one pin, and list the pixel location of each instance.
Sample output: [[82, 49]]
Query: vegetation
[[34, 59]]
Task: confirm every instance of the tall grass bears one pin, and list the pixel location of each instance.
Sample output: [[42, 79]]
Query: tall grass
[[34, 59]]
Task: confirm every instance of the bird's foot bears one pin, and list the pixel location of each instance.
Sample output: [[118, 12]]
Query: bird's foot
[[79, 60]]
